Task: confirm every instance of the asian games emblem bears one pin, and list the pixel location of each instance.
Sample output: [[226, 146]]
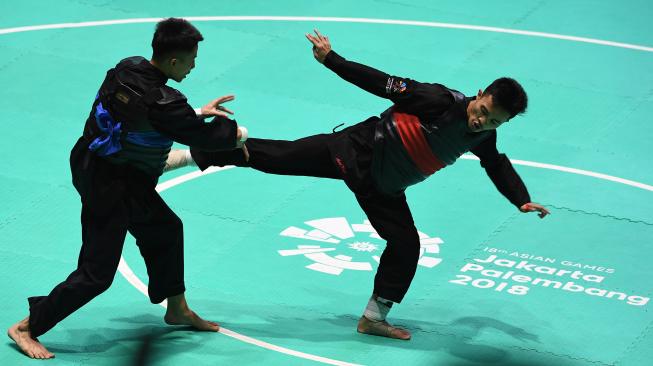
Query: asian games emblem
[[356, 246]]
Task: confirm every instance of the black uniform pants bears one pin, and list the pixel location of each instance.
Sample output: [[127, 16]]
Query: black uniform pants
[[342, 155], [115, 199]]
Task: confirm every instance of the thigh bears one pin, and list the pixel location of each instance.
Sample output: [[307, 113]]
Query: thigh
[[390, 216], [152, 222], [105, 218]]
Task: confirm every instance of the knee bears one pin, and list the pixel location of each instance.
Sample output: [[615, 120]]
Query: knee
[[170, 228], [171, 233], [405, 247], [176, 225], [99, 282], [412, 246], [177, 228]]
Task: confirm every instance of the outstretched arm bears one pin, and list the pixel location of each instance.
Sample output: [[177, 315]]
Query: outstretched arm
[[407, 93], [505, 178], [178, 121]]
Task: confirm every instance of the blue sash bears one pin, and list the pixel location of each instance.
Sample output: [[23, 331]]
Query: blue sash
[[109, 141]]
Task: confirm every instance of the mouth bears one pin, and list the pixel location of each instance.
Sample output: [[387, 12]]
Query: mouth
[[476, 125]]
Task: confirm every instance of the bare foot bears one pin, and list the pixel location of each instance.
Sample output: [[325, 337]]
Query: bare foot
[[382, 329], [20, 334], [189, 317]]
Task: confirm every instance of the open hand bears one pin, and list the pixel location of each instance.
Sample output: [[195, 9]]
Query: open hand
[[214, 107], [532, 207], [321, 45]]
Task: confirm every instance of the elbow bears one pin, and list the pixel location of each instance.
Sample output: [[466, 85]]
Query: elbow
[[494, 162]]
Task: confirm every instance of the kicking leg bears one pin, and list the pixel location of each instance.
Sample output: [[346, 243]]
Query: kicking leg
[[309, 156], [178, 159]]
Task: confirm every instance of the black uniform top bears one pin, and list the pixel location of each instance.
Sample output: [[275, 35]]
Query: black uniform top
[[169, 114], [432, 104]]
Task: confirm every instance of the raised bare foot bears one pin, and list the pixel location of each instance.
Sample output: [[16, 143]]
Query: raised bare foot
[[189, 317], [20, 334], [382, 329]]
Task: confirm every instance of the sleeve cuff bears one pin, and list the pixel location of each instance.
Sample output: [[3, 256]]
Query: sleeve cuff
[[332, 59]]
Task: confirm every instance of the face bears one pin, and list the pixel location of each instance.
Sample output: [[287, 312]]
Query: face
[[181, 65], [484, 115]]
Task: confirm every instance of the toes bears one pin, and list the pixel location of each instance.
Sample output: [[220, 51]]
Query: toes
[[402, 334], [211, 326]]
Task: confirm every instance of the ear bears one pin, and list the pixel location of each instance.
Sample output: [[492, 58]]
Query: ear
[[173, 61], [479, 94]]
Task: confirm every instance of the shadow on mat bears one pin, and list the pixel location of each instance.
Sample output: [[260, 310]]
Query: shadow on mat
[[455, 338], [144, 340]]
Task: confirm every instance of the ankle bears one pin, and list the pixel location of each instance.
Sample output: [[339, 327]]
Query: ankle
[[23, 325], [377, 308]]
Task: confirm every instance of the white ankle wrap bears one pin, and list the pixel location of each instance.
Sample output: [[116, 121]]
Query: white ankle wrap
[[377, 308]]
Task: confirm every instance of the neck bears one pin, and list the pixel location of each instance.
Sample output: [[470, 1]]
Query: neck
[[160, 67]]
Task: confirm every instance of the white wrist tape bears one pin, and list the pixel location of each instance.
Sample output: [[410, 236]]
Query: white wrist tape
[[198, 111], [189, 159], [243, 133]]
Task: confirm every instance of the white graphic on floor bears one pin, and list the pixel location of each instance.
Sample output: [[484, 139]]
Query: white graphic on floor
[[360, 239]]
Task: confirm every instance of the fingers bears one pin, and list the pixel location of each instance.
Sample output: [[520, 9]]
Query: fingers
[[215, 109], [225, 109], [217, 113], [543, 212], [532, 207], [315, 41], [320, 36], [318, 39], [224, 99], [213, 112]]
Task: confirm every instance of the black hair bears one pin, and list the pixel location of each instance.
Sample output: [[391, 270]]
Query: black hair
[[174, 35], [508, 94]]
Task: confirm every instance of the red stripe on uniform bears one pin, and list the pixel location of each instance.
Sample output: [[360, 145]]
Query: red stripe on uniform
[[412, 136]]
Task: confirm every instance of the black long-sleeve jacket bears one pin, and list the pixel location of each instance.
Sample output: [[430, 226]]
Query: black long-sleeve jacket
[[425, 130], [155, 116]]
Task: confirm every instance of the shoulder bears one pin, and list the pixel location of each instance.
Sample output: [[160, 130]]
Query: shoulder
[[455, 94], [441, 93], [165, 95], [131, 61], [433, 91], [486, 138], [170, 95]]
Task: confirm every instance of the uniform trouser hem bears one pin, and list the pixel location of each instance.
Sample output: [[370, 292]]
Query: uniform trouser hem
[[162, 295], [394, 295], [34, 329]]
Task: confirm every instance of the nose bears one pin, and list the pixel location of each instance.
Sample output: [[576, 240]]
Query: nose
[[482, 120]]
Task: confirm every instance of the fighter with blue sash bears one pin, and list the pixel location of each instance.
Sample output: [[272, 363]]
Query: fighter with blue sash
[[115, 167]]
